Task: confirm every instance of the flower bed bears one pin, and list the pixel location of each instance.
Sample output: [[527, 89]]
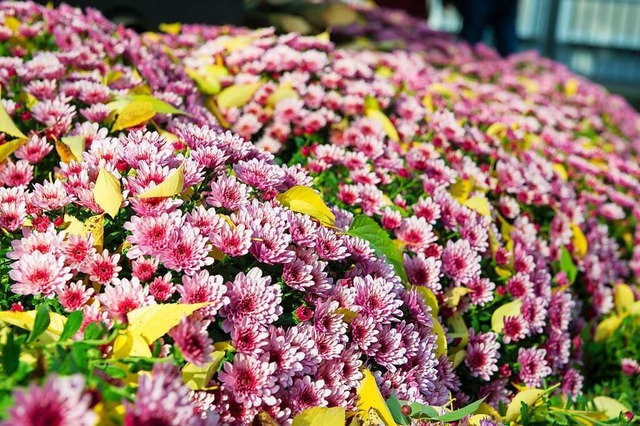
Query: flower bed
[[482, 218]]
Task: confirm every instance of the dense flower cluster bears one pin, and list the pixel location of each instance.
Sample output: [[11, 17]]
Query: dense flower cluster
[[506, 186]]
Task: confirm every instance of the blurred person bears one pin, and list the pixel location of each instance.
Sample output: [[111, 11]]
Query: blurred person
[[500, 15]]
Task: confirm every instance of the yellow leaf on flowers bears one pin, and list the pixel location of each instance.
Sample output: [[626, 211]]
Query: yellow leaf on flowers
[[528, 396], [235, 43], [370, 399], [606, 327], [153, 322], [134, 114], [503, 272], [387, 125], [477, 418], [609, 406], [172, 185], [485, 408], [237, 95], [457, 358], [208, 78], [461, 190], [170, 28], [623, 298], [347, 314], [75, 226], [441, 338], [26, 320], [427, 102], [109, 413], [384, 71], [560, 170], [223, 346], [579, 241], [531, 86], [76, 145], [95, 226], [66, 156], [443, 90], [112, 76], [9, 148], [107, 193], [320, 416], [128, 344], [453, 295], [479, 204], [12, 23], [571, 87], [496, 129], [510, 309], [198, 377], [429, 299], [303, 199], [324, 36], [284, 91], [460, 331]]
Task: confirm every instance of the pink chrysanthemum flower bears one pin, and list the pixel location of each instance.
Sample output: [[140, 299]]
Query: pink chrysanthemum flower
[[60, 402], [123, 296], [306, 393], [49, 242], [78, 249], [482, 354], [50, 196], [39, 274], [423, 271], [533, 366], [515, 328], [102, 268], [250, 381], [74, 296], [193, 340], [375, 297], [161, 288], [572, 382], [481, 290], [630, 366], [460, 262], [16, 174], [248, 338], [34, 150], [203, 287], [416, 233], [162, 399], [144, 268], [251, 297], [188, 252], [228, 193]]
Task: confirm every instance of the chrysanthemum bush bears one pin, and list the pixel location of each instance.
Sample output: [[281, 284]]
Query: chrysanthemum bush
[[482, 211]]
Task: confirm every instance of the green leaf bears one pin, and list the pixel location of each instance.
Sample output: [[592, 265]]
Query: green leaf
[[158, 105], [10, 355], [567, 265], [456, 415], [368, 229], [80, 358], [419, 411], [74, 321], [396, 409], [115, 372], [92, 331], [41, 323]]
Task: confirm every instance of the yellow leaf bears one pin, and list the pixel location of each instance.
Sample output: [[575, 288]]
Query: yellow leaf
[[387, 125], [488, 410], [427, 102], [237, 95], [528, 396], [461, 190], [8, 126], [284, 91], [606, 328], [303, 199], [479, 204], [460, 331], [496, 129], [26, 320], [94, 225], [208, 78], [223, 346], [503, 272], [453, 295], [441, 338], [560, 170], [134, 114], [623, 298], [320, 416], [112, 76], [170, 28], [369, 397], [75, 146], [107, 193], [429, 298], [510, 309], [609, 406], [128, 344], [442, 90], [571, 87], [109, 413], [347, 314], [324, 36], [384, 71], [153, 322], [457, 358], [75, 227], [198, 377], [235, 43], [476, 418], [12, 23], [9, 148], [172, 185], [579, 241]]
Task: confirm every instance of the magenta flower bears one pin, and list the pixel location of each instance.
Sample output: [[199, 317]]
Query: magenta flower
[[193, 340], [533, 366], [60, 402], [250, 381], [460, 262], [39, 274], [482, 354]]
